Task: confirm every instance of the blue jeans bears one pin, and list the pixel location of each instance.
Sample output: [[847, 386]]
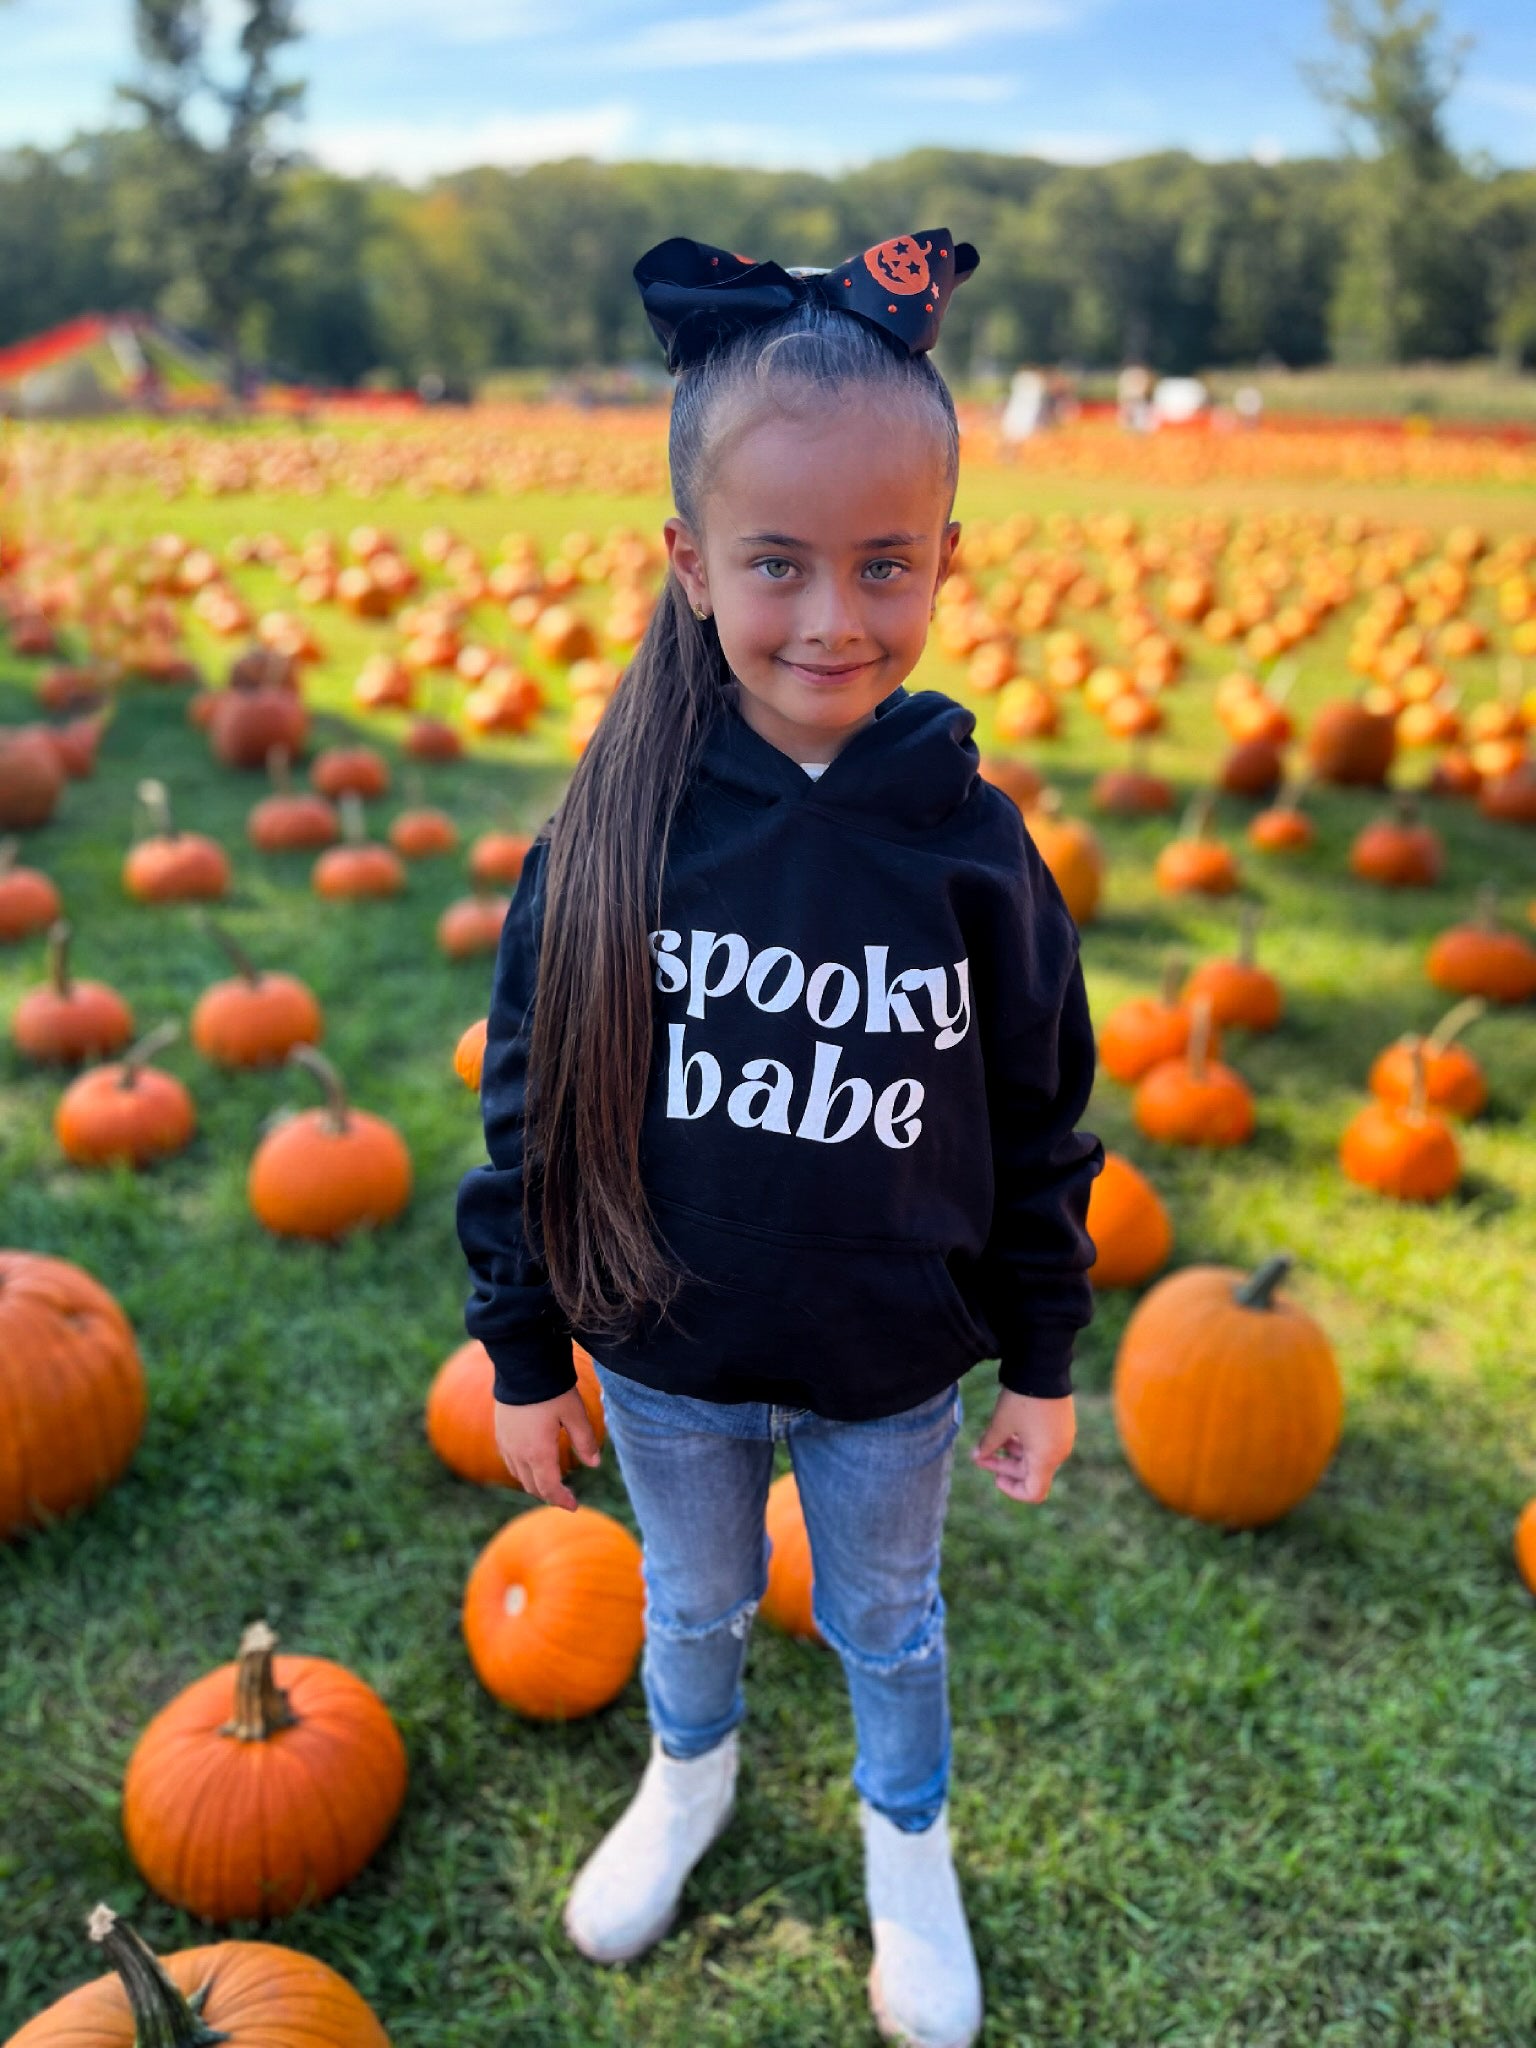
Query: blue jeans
[[874, 1496]]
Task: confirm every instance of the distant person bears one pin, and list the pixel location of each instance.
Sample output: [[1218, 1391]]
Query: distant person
[[1026, 412], [757, 1142], [1248, 404], [1133, 397]]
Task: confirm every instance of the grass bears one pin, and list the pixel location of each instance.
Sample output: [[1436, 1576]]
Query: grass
[[1264, 1789]]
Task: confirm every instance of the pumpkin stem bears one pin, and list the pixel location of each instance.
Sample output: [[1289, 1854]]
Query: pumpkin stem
[[1282, 678], [156, 799], [1405, 807], [354, 823], [1454, 1022], [336, 1095], [1248, 933], [261, 1705], [1257, 1291], [1049, 801], [138, 1056], [162, 2017], [1198, 816], [60, 932], [1199, 1036], [1418, 1096], [1173, 976], [1486, 913], [9, 848], [280, 769], [242, 962]]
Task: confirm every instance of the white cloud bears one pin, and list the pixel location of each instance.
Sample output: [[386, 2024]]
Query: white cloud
[[743, 143], [969, 88], [411, 150], [789, 31], [463, 22], [1266, 149], [1078, 145]]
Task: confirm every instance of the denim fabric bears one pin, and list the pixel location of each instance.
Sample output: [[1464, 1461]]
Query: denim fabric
[[874, 1495]]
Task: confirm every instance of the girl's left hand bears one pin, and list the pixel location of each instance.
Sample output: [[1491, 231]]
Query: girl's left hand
[[1025, 1442]]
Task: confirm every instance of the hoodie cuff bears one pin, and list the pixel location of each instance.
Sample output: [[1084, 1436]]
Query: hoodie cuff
[[1039, 1362], [533, 1368]]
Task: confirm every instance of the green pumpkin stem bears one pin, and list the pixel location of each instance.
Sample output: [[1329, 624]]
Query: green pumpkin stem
[[1453, 1023], [1173, 977], [261, 1705], [137, 1057], [335, 1094], [1257, 1291], [238, 957], [60, 932], [162, 2017]]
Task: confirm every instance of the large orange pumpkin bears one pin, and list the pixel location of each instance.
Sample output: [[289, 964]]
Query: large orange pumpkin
[[72, 1394], [1227, 1395], [461, 1415], [791, 1575], [554, 1612], [248, 1994], [264, 1786]]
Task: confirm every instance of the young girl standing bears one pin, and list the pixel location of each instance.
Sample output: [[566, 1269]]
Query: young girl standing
[[787, 1049]]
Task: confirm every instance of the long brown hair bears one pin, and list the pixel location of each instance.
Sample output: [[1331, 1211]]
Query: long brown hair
[[589, 1058]]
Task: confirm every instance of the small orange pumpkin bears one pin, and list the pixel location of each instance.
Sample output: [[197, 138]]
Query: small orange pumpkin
[[290, 821], [1194, 1100], [472, 925], [496, 858], [1143, 1030], [256, 1018], [1192, 863], [423, 833], [1241, 992], [1525, 1545], [350, 771], [1453, 1080], [1398, 852], [169, 865], [328, 1171], [1406, 1152], [29, 902], [129, 1110], [554, 1612], [469, 1053], [359, 866], [67, 1020], [1071, 850], [1129, 1225], [791, 1573], [461, 1415], [1478, 959]]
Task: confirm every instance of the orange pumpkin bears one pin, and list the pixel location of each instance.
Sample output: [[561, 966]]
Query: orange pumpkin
[[31, 779], [1193, 864], [791, 1575], [328, 1171], [553, 1613], [350, 771], [1406, 1152], [262, 1787], [169, 865], [1013, 777], [290, 821], [129, 1110], [1478, 959], [1143, 1030], [359, 866], [496, 858], [1227, 1395], [1284, 827], [67, 1020], [1194, 1100], [244, 725], [1071, 850], [1240, 991], [1253, 767], [461, 1415], [72, 1391], [1398, 852], [250, 1994], [469, 1054], [256, 1018], [1453, 1080], [1348, 743], [422, 833], [29, 902], [432, 739], [1129, 1225], [472, 925], [1525, 1545]]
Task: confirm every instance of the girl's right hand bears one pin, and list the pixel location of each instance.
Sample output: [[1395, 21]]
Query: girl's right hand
[[529, 1441]]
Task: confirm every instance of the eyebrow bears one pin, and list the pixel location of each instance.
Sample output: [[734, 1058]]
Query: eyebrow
[[882, 540]]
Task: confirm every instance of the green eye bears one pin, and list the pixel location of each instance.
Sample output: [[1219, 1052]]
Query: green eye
[[773, 561]]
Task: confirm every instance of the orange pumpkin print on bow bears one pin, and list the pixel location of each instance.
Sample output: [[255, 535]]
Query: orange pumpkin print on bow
[[900, 264]]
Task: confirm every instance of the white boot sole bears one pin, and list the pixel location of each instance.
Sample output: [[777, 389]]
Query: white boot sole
[[638, 1944]]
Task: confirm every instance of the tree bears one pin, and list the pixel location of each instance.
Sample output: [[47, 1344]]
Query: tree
[[1410, 284], [216, 171]]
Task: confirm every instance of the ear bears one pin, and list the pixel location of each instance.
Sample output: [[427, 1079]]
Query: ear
[[687, 560], [949, 540]]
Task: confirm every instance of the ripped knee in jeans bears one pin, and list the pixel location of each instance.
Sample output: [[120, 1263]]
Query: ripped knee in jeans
[[926, 1641], [735, 1621]]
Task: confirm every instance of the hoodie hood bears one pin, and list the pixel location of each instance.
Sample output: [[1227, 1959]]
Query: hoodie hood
[[912, 767]]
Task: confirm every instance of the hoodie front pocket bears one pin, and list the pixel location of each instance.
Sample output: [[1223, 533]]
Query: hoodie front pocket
[[790, 1304]]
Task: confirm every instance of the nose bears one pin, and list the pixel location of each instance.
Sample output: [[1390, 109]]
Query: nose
[[832, 616]]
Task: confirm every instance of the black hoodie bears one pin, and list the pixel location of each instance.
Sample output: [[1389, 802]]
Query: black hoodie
[[871, 1051]]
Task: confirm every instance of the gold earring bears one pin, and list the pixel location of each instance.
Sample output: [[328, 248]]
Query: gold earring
[[699, 612]]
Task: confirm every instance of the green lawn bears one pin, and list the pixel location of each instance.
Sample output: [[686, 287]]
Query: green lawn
[[1243, 1791]]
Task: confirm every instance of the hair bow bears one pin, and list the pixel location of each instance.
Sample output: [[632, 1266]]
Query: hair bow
[[697, 296]]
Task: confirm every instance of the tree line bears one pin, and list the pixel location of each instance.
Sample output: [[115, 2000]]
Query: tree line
[[1399, 254]]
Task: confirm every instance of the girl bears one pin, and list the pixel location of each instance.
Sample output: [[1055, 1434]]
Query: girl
[[788, 1044]]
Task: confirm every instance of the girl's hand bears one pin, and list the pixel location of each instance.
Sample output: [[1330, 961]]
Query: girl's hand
[[1025, 1442], [529, 1441]]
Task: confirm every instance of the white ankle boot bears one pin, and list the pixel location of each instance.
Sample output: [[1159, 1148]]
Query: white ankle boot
[[924, 1987], [626, 1893]]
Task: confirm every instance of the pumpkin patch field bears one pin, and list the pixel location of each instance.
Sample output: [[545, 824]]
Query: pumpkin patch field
[[1244, 1713]]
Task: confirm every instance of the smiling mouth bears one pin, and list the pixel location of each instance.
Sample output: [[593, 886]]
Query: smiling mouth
[[846, 668]]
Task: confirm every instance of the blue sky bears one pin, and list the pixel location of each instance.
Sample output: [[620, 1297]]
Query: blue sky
[[415, 88]]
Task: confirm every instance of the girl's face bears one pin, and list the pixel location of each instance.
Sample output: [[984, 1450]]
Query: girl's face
[[824, 547]]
